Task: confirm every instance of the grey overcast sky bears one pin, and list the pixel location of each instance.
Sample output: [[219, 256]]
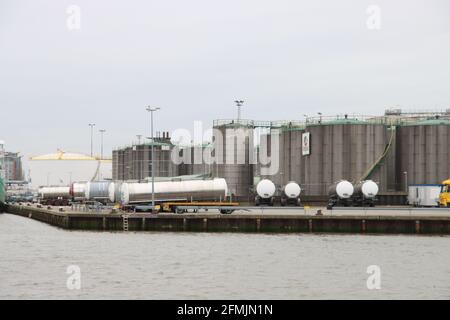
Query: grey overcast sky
[[285, 58]]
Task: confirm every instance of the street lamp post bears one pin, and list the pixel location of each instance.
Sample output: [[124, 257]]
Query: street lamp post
[[406, 180], [320, 117], [151, 110], [102, 131], [239, 104], [92, 125]]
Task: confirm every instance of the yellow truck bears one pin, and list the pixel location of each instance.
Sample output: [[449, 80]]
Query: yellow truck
[[444, 196]]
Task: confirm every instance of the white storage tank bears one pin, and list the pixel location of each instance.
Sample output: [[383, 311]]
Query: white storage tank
[[368, 189], [54, 192], [342, 189], [78, 191], [190, 190], [265, 189], [292, 190]]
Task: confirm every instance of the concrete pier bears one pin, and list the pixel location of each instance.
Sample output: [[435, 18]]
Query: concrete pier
[[247, 222]]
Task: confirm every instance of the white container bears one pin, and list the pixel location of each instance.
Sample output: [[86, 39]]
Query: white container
[[292, 190], [265, 189], [424, 195], [342, 189], [190, 190], [368, 188]]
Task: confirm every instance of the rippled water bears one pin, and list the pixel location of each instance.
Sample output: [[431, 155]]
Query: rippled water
[[34, 258]]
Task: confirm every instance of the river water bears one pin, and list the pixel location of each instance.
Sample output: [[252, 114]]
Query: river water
[[34, 259]]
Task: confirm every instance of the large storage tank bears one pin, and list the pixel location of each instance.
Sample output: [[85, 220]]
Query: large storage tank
[[193, 190], [338, 149], [135, 162], [233, 148], [98, 190], [423, 152]]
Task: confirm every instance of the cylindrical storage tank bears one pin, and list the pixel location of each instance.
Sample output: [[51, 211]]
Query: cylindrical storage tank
[[78, 191], [190, 190], [97, 190], [342, 149], [114, 191], [292, 190], [423, 152], [265, 189], [48, 193], [341, 189], [368, 189], [234, 151]]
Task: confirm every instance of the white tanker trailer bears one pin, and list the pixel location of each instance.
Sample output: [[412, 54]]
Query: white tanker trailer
[[291, 194], [54, 196], [167, 191], [365, 193], [78, 191], [340, 193], [265, 191]]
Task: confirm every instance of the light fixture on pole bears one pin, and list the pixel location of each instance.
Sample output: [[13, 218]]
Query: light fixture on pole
[[239, 104], [102, 131], [406, 180], [320, 117], [151, 110], [92, 125]]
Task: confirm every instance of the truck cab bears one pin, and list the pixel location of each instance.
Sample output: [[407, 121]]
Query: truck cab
[[444, 196]]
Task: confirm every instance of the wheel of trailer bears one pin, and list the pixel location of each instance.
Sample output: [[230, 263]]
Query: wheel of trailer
[[178, 211], [226, 211], [257, 201], [329, 206], [272, 201], [298, 202], [283, 202]]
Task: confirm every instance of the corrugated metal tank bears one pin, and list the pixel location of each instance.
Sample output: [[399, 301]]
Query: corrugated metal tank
[[423, 152], [340, 149], [97, 190], [234, 162], [193, 190], [48, 193]]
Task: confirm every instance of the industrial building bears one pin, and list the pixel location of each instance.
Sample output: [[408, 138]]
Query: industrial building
[[395, 150], [10, 165]]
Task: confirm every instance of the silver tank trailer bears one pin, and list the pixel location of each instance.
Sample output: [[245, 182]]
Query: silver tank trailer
[[98, 190], [191, 190], [78, 191], [55, 196], [47, 193]]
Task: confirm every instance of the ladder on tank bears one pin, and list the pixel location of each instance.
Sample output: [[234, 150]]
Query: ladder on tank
[[125, 222]]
